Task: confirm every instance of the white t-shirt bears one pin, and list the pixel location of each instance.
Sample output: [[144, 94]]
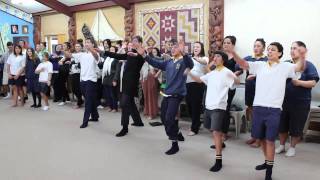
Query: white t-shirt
[[47, 69], [88, 66], [16, 63], [198, 69], [271, 82], [218, 84]]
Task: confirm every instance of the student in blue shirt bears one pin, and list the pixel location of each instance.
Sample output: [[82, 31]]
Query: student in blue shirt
[[175, 90], [296, 104]]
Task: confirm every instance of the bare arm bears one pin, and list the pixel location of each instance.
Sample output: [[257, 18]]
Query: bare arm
[[243, 63], [94, 54], [195, 78], [306, 84]]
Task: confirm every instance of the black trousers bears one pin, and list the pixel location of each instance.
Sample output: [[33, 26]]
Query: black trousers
[[55, 86], [76, 88], [99, 91], [89, 90], [226, 126], [62, 83], [129, 108], [194, 99], [169, 109]]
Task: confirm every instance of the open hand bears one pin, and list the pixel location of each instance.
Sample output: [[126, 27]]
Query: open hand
[[132, 54], [251, 77]]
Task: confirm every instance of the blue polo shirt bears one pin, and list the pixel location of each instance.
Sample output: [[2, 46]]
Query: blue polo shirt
[[175, 77], [298, 95]]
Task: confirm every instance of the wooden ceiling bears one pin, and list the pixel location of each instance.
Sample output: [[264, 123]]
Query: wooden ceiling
[[69, 10]]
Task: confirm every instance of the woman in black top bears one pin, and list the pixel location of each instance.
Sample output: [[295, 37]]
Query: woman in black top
[[131, 78], [32, 62]]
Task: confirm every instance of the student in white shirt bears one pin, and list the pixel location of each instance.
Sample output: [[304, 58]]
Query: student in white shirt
[[88, 77], [270, 91], [195, 90], [75, 76], [16, 67], [218, 82], [24, 47], [45, 70]]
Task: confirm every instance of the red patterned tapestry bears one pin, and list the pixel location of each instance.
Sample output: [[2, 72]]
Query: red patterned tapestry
[[160, 25]]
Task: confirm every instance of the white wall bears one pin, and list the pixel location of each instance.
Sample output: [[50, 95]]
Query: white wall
[[284, 21]]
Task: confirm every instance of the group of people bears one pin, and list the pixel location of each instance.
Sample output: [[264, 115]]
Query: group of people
[[277, 93]]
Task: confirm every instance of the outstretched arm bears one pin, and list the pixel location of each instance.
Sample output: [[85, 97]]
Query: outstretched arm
[[243, 63], [156, 63], [116, 56]]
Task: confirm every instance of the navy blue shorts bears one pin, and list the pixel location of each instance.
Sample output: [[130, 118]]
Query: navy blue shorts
[[265, 124], [44, 88], [18, 82]]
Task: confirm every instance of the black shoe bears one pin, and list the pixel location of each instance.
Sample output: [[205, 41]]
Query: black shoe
[[214, 146], [123, 132], [180, 137], [140, 124], [174, 149], [33, 106], [84, 125], [217, 166], [261, 167], [38, 106], [25, 98], [94, 120]]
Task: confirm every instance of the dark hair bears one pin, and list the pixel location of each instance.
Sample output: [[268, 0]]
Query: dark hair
[[202, 53], [261, 40], [68, 45], [173, 41], [44, 44], [108, 42], [223, 55], [33, 54], [119, 42], [91, 40], [279, 47], [46, 54], [81, 44], [139, 38], [115, 48], [22, 41], [300, 44], [9, 43], [233, 39], [158, 51], [80, 41], [14, 50]]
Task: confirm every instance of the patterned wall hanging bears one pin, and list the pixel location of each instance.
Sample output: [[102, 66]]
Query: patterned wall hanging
[[158, 25]]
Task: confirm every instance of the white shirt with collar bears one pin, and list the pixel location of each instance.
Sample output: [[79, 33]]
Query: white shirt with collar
[[198, 69], [88, 66]]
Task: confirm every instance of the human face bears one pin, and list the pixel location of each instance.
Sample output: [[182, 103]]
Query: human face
[[21, 43], [217, 60], [135, 43], [130, 46], [105, 45], [294, 51], [196, 49], [65, 47], [58, 48], [273, 53], [78, 47], [176, 51], [29, 52], [112, 49], [227, 44], [42, 46], [17, 50], [154, 52], [88, 44], [10, 48], [38, 47], [258, 48]]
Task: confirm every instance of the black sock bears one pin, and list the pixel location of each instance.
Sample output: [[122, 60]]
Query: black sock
[[39, 99], [218, 165], [269, 165], [262, 166], [174, 148], [34, 97]]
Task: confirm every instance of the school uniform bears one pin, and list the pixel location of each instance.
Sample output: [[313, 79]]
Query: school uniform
[[88, 83], [130, 81], [64, 69], [16, 64], [31, 76], [195, 93], [174, 91], [296, 104], [75, 76], [270, 91], [109, 75], [44, 76], [54, 59]]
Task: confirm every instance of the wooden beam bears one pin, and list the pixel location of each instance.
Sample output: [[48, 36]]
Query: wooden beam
[[56, 5], [216, 25], [122, 3], [91, 6]]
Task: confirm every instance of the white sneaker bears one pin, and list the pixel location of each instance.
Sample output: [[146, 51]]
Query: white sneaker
[[68, 101], [100, 107], [61, 104], [291, 152], [45, 108], [280, 149], [8, 96], [191, 133]]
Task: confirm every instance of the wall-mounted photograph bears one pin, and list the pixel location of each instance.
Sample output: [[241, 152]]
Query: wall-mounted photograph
[[25, 29], [14, 29]]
